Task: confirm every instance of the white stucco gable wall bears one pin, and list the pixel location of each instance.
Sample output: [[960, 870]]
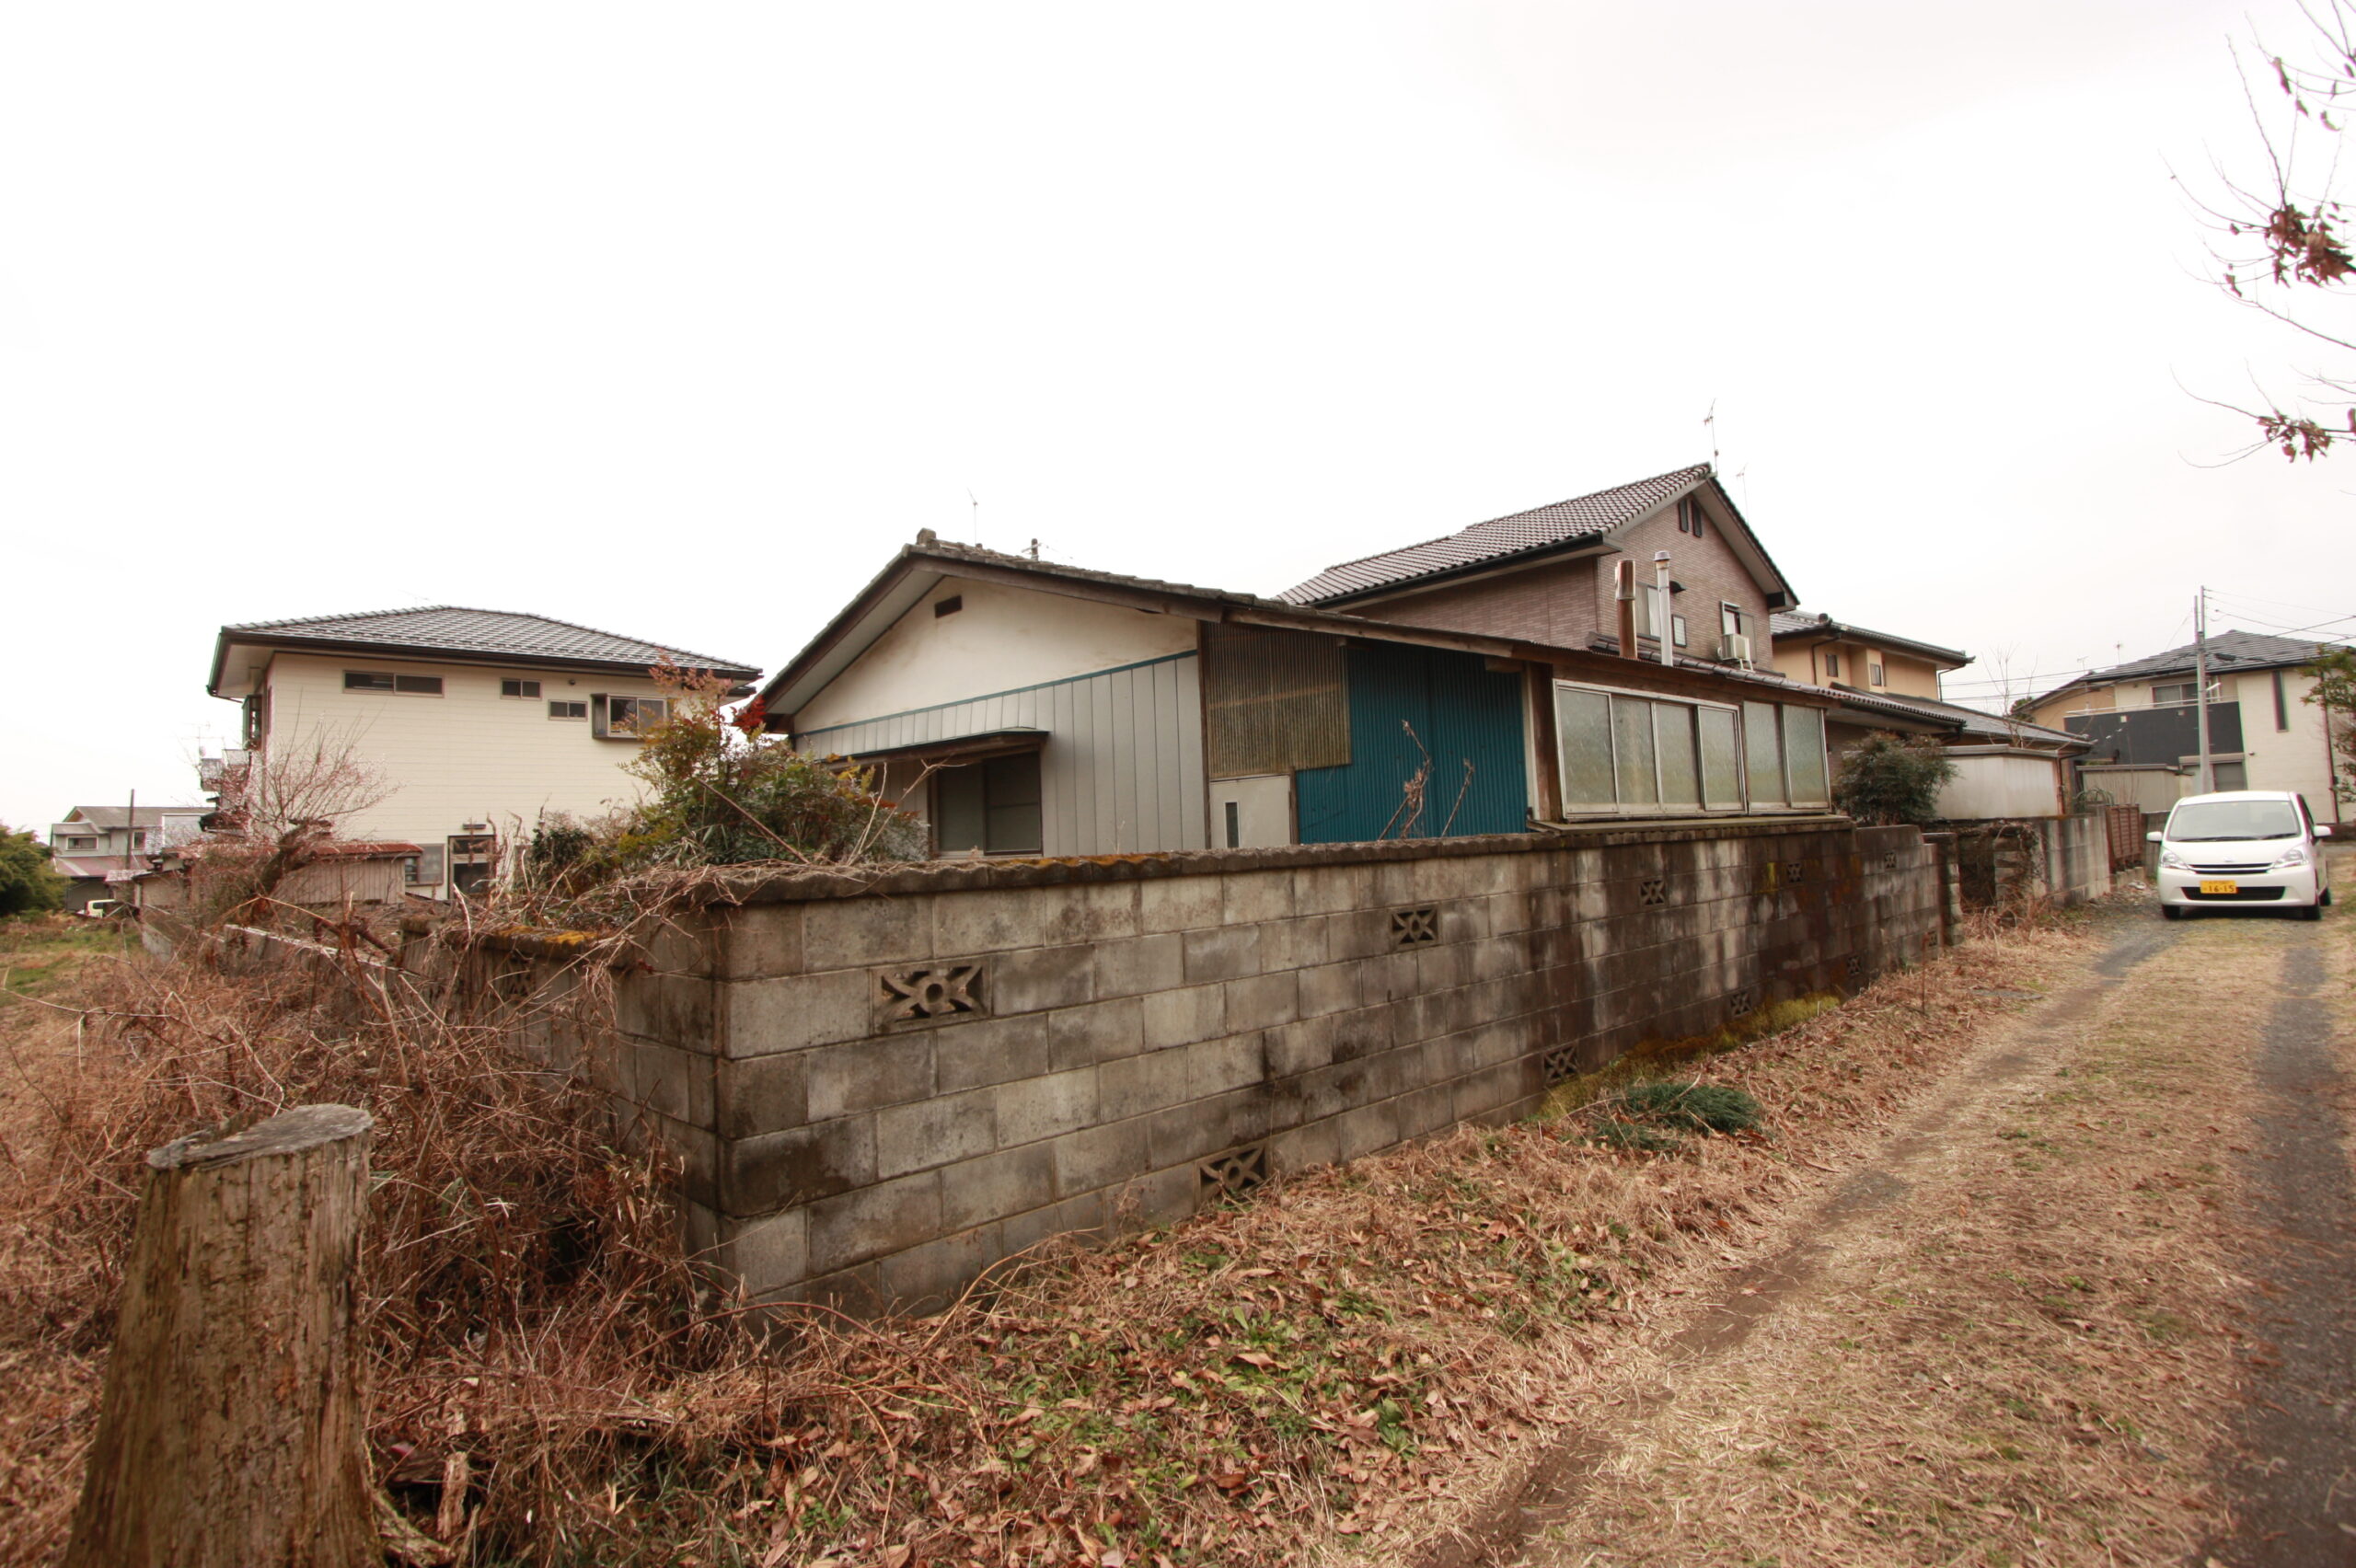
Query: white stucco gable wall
[[1002, 639]]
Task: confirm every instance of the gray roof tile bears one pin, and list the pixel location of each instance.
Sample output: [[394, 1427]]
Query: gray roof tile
[[2226, 650], [1581, 517], [450, 628]]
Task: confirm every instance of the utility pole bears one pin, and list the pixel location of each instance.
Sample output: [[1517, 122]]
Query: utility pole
[[130, 831], [2208, 777]]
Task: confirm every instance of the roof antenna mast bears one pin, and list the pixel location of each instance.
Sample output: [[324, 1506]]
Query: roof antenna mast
[[977, 512], [1710, 424]]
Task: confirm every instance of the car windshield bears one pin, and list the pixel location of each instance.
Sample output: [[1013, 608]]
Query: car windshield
[[2211, 822]]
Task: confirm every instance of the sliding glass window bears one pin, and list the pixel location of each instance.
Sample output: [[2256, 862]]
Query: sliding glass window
[[1632, 754]]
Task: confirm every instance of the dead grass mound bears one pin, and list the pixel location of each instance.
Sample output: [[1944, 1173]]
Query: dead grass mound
[[548, 1386]]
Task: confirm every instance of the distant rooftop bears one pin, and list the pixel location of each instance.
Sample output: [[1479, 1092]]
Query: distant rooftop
[[2226, 650], [1581, 517], [445, 629]]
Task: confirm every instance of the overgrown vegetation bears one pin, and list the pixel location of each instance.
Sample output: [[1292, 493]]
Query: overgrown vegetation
[[719, 793], [1887, 780], [29, 883], [2335, 692]]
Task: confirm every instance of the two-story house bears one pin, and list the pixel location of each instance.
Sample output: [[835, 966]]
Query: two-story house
[[93, 841], [473, 723], [1466, 685], [2142, 718]]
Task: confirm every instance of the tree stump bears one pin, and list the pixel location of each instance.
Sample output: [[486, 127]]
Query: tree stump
[[229, 1436]]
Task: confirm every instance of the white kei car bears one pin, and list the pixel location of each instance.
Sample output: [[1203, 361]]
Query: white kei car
[[2243, 850]]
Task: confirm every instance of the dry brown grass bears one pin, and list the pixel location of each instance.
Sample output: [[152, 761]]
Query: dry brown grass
[[2021, 1360], [1350, 1358]]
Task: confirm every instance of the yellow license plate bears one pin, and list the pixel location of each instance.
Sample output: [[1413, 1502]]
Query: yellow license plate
[[2219, 889]]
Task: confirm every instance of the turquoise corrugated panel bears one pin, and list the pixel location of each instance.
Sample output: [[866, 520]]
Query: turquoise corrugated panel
[[1460, 713]]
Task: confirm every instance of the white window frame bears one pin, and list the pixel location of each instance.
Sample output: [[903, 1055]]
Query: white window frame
[[1656, 807]]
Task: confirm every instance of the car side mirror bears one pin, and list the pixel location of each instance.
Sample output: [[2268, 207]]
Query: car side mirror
[[2323, 830], [2155, 839]]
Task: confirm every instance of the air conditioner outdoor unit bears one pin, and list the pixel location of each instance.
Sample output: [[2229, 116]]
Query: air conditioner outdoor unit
[[1734, 650]]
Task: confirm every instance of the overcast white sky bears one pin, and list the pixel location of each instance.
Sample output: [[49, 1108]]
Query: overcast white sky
[[678, 320]]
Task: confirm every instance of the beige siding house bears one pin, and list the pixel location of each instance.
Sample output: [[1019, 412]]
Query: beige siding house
[[2141, 718], [477, 721]]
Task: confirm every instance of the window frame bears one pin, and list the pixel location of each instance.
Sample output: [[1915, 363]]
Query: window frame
[[1701, 806], [581, 702], [364, 680], [524, 690]]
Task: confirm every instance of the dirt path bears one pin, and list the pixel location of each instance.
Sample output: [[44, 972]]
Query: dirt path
[[2093, 1303]]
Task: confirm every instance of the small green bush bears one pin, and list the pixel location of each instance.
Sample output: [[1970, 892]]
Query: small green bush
[[1886, 781], [1687, 1107], [28, 886]]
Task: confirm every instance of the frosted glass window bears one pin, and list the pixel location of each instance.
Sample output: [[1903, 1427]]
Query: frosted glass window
[[1680, 778], [1721, 775], [1631, 736], [1763, 754], [1583, 734], [1804, 751]]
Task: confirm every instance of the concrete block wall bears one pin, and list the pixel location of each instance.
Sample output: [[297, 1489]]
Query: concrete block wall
[[880, 1085]]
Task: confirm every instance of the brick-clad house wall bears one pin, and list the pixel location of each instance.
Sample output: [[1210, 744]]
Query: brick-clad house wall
[[1563, 602], [879, 1087]]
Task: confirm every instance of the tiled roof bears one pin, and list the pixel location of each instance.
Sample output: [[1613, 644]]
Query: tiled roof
[[2227, 648], [1582, 517], [113, 816], [1794, 623], [450, 628], [1971, 722]]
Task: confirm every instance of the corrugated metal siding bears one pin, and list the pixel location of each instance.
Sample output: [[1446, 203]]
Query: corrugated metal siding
[[1461, 712], [1122, 771], [1274, 700]]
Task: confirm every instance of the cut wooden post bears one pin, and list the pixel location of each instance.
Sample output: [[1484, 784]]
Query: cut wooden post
[[229, 1436]]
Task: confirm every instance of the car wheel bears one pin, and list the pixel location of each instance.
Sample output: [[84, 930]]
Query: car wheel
[[2171, 911], [2327, 896]]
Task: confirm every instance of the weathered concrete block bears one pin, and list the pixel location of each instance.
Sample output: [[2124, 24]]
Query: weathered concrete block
[[996, 1185], [873, 1222], [1366, 1129], [1158, 1198], [1207, 1126], [1443, 967], [886, 1071], [992, 920], [1214, 1067], [1103, 912], [1101, 1031], [1296, 943], [762, 1094], [1100, 1156], [1330, 890], [987, 1051], [756, 943], [770, 1253], [1135, 1085], [1046, 1107], [926, 1278], [1263, 1001], [1253, 897], [1178, 904], [852, 933], [677, 1009], [1180, 1018], [1222, 953], [1304, 1148], [1080, 1217], [778, 1170], [1137, 964], [786, 1014], [939, 1131], [677, 1083], [1038, 978], [697, 1148]]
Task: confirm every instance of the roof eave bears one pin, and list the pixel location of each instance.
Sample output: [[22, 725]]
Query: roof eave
[[1530, 557], [292, 643]]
